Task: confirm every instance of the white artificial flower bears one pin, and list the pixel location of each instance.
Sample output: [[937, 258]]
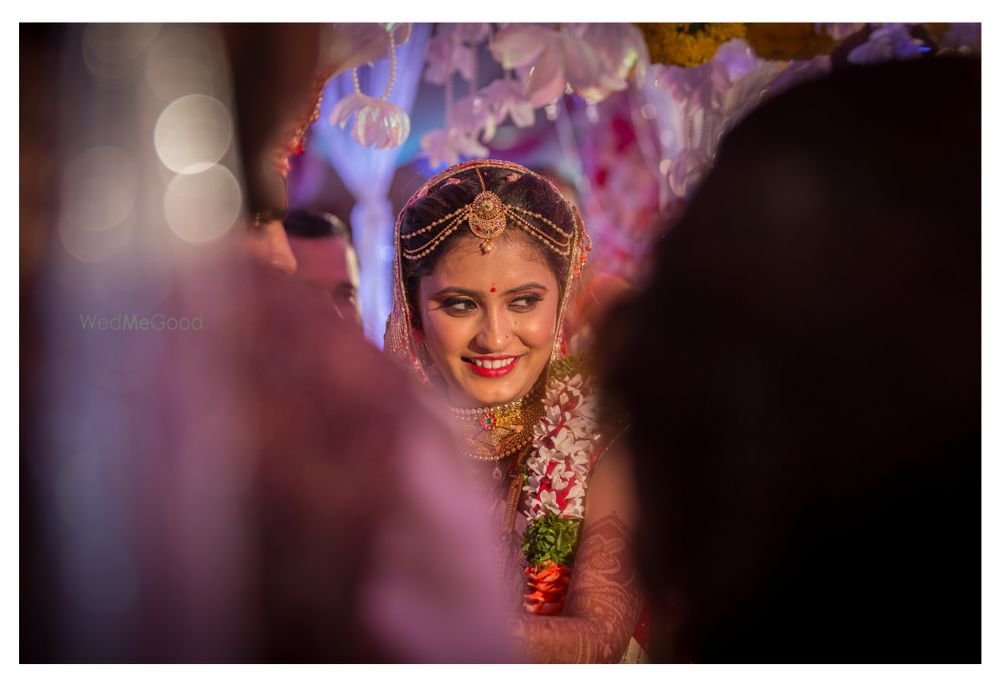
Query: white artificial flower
[[560, 476], [534, 482], [563, 444], [566, 443], [547, 500], [575, 493]]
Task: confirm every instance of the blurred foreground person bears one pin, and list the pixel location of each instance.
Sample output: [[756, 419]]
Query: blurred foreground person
[[803, 375], [289, 498], [213, 468], [370, 547], [326, 258]]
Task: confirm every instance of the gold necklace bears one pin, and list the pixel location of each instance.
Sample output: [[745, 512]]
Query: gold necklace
[[496, 432]]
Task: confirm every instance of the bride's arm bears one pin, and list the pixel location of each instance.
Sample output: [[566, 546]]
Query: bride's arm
[[603, 602]]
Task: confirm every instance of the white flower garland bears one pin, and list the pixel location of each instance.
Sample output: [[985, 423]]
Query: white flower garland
[[561, 450]]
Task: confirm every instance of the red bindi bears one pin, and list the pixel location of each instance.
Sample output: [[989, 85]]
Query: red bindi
[[493, 290]]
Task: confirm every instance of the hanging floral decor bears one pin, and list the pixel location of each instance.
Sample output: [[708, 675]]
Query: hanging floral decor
[[377, 122], [541, 64]]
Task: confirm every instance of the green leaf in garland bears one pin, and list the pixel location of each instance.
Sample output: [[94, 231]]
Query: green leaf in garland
[[551, 537]]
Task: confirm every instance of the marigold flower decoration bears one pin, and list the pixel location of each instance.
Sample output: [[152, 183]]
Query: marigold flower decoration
[[557, 480], [789, 41], [687, 45]]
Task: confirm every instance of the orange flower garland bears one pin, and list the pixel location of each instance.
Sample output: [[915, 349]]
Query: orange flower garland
[[548, 582]]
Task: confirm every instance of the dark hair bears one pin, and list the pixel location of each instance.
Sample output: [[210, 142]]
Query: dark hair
[[524, 190], [306, 224], [562, 182]]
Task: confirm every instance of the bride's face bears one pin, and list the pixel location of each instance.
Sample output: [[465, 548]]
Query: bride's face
[[489, 320]]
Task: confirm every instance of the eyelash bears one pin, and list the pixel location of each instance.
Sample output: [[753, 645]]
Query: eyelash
[[530, 301], [452, 305]]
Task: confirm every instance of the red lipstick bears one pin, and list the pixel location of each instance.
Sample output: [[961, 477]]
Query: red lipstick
[[491, 359]]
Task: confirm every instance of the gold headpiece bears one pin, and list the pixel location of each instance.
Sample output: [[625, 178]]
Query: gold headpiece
[[487, 217]]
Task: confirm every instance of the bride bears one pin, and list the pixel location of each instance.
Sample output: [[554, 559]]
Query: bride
[[488, 255]]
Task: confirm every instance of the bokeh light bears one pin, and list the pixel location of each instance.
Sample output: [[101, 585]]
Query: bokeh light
[[98, 201], [201, 207], [193, 133], [182, 62], [110, 50]]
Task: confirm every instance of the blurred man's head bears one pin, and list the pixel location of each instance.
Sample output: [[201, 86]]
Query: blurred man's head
[[802, 376], [326, 259]]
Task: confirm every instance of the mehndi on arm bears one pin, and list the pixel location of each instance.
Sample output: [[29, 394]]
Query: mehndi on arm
[[604, 598]]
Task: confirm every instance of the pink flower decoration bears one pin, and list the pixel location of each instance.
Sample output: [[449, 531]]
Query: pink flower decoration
[[442, 146], [453, 49], [478, 115], [472, 34], [622, 50], [377, 123], [700, 87], [737, 57], [505, 97], [592, 60], [471, 116], [555, 58], [445, 56]]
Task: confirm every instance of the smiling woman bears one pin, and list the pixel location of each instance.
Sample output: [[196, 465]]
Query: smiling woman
[[489, 320], [488, 254]]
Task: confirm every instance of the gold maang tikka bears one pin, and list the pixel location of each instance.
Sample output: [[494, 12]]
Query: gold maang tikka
[[487, 216]]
